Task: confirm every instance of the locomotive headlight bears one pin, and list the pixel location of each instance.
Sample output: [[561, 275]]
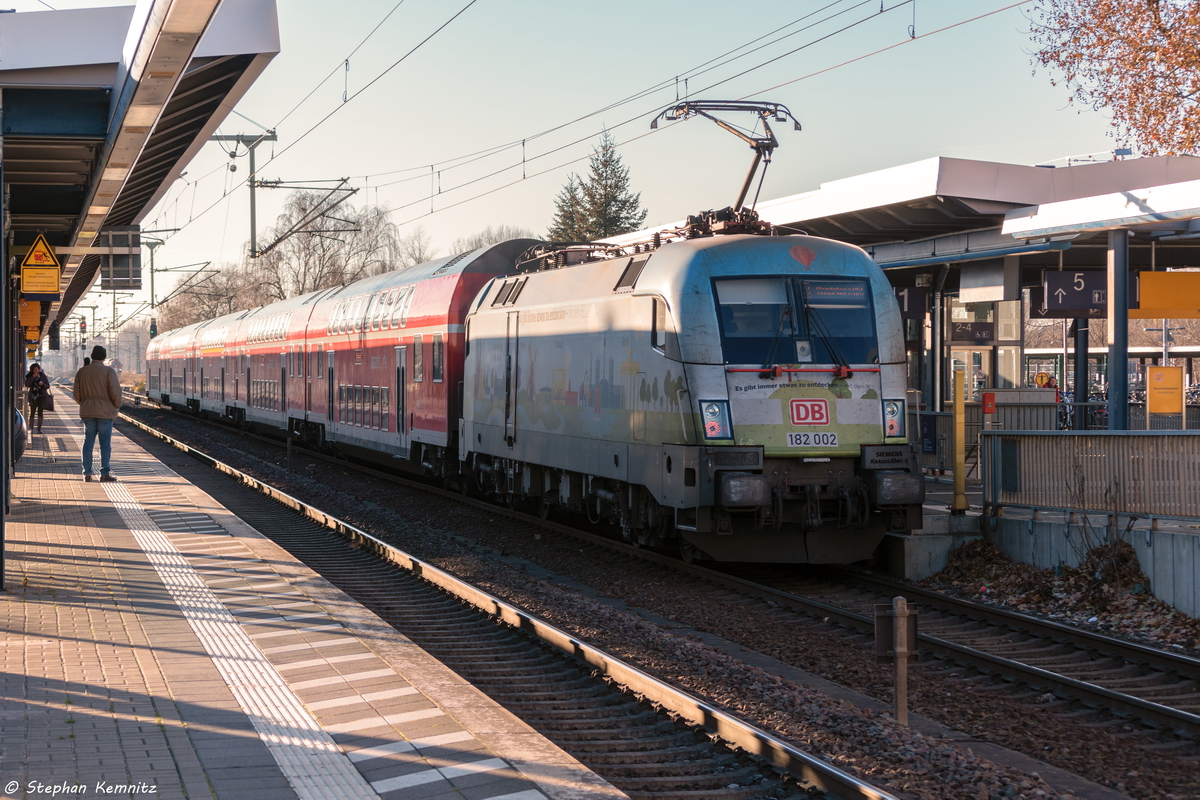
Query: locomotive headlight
[[893, 418], [715, 416]]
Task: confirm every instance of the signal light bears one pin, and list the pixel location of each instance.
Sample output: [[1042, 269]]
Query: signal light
[[83, 326], [54, 335], [153, 328]]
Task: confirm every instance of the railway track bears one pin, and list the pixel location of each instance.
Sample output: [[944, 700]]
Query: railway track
[[647, 738], [1152, 686]]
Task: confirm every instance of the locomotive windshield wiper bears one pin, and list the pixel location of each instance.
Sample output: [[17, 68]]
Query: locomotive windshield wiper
[[785, 316], [816, 324]]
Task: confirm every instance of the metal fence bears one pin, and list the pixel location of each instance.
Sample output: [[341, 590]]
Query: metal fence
[[934, 437], [1143, 473]]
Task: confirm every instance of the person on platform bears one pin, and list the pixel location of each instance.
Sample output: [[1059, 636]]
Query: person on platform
[[39, 394], [98, 393]]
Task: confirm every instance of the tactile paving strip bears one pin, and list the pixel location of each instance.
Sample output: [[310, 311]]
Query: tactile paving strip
[[393, 738]]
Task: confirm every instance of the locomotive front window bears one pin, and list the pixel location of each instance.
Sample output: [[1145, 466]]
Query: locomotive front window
[[796, 320]]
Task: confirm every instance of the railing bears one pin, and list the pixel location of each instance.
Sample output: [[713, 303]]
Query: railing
[[937, 453], [1141, 473], [1162, 422]]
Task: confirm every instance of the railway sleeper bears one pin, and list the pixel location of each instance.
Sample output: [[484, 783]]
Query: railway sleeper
[[637, 737], [1136, 675], [745, 778], [525, 667], [687, 751], [680, 766], [597, 723], [608, 707], [540, 688]]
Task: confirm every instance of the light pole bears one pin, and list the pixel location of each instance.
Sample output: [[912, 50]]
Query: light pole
[[1167, 338], [153, 244]]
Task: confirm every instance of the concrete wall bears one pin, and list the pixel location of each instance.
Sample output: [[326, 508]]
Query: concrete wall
[[1169, 557]]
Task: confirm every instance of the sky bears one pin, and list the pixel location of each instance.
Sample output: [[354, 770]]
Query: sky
[[868, 93]]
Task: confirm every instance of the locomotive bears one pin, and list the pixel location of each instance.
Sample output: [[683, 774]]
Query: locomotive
[[734, 395]]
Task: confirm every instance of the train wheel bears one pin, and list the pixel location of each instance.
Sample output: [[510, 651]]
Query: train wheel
[[688, 552]]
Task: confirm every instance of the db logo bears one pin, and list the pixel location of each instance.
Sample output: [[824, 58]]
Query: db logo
[[810, 412]]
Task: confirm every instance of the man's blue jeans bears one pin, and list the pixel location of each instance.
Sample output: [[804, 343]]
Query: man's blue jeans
[[93, 426]]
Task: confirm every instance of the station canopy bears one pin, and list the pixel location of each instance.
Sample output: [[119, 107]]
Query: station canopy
[[105, 107], [914, 217]]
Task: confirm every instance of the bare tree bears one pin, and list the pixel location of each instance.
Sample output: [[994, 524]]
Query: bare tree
[[416, 248], [490, 235], [232, 287], [338, 245]]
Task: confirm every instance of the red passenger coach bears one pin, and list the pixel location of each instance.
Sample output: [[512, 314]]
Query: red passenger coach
[[374, 367]]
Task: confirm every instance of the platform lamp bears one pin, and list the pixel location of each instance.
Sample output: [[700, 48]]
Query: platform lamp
[[1167, 339]]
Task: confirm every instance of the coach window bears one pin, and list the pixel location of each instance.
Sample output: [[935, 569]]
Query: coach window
[[360, 313], [375, 407], [379, 298], [317, 368], [397, 306], [437, 358], [385, 414], [407, 302], [418, 360], [386, 316]]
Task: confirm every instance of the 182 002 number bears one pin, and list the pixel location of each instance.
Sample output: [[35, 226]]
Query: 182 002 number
[[812, 440]]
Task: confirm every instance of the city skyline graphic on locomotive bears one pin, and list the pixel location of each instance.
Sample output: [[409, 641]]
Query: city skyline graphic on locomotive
[[735, 394]]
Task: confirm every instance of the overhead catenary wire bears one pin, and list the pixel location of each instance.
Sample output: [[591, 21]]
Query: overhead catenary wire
[[372, 82], [470, 158], [847, 62], [570, 162]]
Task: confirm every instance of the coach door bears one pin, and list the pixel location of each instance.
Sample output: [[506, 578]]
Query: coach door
[[223, 379], [330, 389], [310, 368], [402, 398], [283, 380], [511, 376]]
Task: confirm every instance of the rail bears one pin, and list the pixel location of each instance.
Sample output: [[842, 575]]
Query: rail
[[1137, 473]]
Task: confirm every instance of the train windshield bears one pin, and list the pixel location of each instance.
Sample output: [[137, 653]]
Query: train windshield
[[796, 320]]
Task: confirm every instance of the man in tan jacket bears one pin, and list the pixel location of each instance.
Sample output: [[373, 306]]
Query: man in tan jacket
[[98, 393]]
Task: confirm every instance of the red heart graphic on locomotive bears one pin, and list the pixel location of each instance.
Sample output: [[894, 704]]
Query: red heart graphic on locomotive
[[803, 254]]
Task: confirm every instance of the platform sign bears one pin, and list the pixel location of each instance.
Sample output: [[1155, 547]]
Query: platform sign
[[1041, 379], [972, 331], [40, 272], [1164, 390], [30, 313], [914, 301], [1169, 295], [929, 437], [1038, 309], [1076, 290]]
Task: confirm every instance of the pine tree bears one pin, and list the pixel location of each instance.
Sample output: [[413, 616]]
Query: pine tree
[[601, 205]]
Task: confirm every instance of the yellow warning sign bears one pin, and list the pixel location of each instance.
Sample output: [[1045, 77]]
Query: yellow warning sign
[[40, 271], [40, 254], [31, 313]]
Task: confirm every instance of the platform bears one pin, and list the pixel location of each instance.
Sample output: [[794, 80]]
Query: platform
[[154, 645]]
